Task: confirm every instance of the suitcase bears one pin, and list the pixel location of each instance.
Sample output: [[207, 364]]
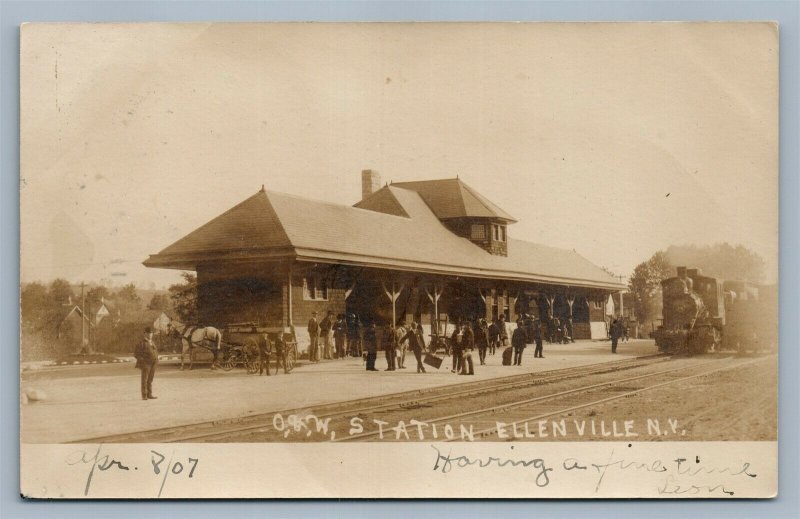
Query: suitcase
[[433, 360], [507, 354]]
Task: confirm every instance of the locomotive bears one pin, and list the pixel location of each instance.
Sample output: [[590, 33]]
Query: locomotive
[[704, 314]]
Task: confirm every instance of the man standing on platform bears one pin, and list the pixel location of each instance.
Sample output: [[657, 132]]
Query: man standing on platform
[[457, 347], [402, 344], [502, 330], [371, 345], [570, 330], [313, 335], [616, 332], [390, 347], [416, 343], [264, 347], [482, 339], [340, 336], [494, 337], [355, 332], [468, 346], [518, 339], [325, 331], [537, 338], [146, 354], [280, 354]]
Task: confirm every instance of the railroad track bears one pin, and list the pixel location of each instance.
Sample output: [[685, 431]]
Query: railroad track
[[236, 428], [483, 421]]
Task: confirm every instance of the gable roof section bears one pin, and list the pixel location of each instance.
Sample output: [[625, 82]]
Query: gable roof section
[[383, 201], [309, 230], [247, 227], [75, 310], [452, 198]]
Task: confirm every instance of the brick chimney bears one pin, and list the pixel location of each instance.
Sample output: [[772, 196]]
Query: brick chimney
[[370, 182]]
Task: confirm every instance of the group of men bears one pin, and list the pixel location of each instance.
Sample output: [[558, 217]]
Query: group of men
[[335, 337], [488, 338], [558, 331]]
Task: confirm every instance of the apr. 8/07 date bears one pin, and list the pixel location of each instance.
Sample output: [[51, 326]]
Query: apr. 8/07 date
[[161, 465]]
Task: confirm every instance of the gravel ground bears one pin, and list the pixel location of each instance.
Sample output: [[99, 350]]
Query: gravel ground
[[735, 405]]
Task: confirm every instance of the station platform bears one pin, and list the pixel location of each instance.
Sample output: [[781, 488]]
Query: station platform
[[98, 400]]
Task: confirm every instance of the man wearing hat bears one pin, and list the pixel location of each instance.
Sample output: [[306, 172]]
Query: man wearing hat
[[146, 354], [371, 345], [326, 330], [313, 335]]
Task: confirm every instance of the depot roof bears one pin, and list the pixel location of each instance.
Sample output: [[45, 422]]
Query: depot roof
[[393, 229]]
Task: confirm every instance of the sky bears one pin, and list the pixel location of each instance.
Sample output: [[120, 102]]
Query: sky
[[616, 140]]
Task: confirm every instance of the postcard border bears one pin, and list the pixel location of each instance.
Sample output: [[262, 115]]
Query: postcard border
[[12, 14]]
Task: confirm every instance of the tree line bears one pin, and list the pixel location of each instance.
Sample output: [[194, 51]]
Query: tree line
[[44, 307]]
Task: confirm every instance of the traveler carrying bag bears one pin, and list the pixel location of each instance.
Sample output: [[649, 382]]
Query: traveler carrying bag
[[507, 354], [433, 360]]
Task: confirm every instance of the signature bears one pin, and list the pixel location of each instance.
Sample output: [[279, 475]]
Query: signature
[[445, 463], [673, 469]]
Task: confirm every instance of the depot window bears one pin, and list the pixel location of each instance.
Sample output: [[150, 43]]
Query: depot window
[[315, 289], [477, 231], [499, 232]]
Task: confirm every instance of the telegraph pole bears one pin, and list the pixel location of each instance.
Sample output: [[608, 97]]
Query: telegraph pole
[[621, 300]]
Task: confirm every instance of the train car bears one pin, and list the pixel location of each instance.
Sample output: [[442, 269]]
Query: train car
[[751, 309]]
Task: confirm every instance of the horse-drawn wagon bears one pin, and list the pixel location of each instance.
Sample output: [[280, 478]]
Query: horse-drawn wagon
[[239, 345], [242, 347]]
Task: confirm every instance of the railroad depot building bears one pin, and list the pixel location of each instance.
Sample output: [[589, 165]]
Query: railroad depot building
[[411, 250]]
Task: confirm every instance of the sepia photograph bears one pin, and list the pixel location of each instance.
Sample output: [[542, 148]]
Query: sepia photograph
[[282, 260]]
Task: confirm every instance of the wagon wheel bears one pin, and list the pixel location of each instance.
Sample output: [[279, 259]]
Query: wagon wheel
[[290, 358], [230, 359], [252, 356]]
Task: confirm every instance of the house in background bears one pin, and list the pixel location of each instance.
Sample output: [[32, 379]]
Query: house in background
[[105, 309], [75, 331]]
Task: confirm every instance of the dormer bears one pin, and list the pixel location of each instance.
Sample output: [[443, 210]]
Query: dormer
[[465, 212]]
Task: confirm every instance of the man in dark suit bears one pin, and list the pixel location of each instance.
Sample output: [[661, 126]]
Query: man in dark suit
[[482, 339], [518, 343], [371, 345], [457, 348], [340, 336], [264, 347], [494, 337], [146, 354], [416, 343], [616, 333], [313, 335], [390, 347], [537, 338]]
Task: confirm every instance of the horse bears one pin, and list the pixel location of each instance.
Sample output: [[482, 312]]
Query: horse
[[196, 336]]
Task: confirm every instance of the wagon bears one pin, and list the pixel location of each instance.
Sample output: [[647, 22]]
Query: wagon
[[240, 347], [439, 338]]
